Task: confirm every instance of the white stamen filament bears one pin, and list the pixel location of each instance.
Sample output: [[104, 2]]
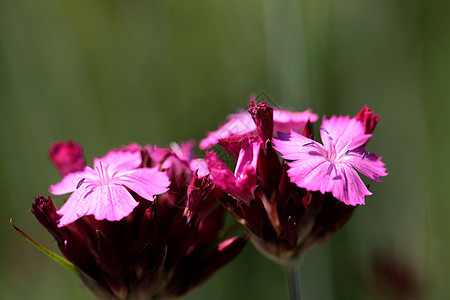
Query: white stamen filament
[[103, 175]]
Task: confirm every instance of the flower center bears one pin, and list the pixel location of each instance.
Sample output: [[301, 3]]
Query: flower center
[[103, 176]]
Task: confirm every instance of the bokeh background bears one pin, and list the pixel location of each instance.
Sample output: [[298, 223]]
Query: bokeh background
[[108, 72]]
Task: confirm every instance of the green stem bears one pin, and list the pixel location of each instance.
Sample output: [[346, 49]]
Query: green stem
[[292, 271]]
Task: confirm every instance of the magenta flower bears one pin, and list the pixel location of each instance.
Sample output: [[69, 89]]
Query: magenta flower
[[282, 220], [331, 167], [278, 202], [241, 123], [104, 191]]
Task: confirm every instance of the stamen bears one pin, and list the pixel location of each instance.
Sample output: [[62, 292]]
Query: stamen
[[102, 171], [323, 129], [308, 144], [364, 155], [330, 168], [80, 182]]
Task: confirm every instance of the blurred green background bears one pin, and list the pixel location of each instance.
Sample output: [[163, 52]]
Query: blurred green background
[[108, 72]]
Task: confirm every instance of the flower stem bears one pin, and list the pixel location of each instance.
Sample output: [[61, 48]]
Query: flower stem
[[292, 271]]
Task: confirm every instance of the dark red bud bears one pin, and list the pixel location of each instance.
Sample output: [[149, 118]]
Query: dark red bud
[[269, 168], [234, 144], [200, 199], [67, 157], [308, 131], [45, 212], [368, 119], [262, 115]]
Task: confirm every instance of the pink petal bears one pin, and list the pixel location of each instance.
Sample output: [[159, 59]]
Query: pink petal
[[221, 174], [245, 185], [285, 120], [296, 146], [146, 182], [343, 132], [350, 189], [119, 160], [199, 165], [368, 164], [183, 151], [224, 178], [239, 123], [109, 202], [245, 171], [321, 175], [310, 173], [248, 157], [70, 182], [131, 147], [73, 208]]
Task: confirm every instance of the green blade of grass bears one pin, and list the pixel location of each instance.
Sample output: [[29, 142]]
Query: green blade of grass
[[59, 259]]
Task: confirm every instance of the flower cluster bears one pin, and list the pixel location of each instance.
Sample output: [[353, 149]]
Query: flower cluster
[[289, 206], [146, 222], [140, 224]]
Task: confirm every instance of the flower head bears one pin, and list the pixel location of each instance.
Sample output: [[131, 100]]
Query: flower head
[[282, 218], [104, 191], [163, 248], [331, 167]]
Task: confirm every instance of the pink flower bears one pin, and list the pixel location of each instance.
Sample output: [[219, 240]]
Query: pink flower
[[242, 123], [282, 220], [104, 191], [331, 167], [163, 248]]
